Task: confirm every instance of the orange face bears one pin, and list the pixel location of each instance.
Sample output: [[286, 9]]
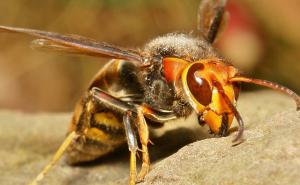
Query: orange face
[[198, 81]]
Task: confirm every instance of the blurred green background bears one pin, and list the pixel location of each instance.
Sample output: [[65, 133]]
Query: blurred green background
[[262, 38]]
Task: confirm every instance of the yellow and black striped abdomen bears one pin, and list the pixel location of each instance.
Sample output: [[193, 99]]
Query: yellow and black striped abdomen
[[100, 128], [104, 134]]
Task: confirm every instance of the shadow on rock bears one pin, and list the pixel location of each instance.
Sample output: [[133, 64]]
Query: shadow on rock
[[164, 146]]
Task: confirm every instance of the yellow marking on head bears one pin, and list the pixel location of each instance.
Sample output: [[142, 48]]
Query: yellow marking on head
[[214, 120], [218, 104]]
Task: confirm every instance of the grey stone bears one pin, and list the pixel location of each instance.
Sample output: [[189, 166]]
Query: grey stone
[[270, 153]]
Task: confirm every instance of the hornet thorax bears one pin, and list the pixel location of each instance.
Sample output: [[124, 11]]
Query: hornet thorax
[[159, 93]]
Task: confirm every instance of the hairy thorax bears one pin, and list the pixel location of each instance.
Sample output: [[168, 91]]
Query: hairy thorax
[[158, 93]]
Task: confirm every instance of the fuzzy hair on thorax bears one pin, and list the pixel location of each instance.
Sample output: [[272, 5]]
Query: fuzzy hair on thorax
[[180, 45]]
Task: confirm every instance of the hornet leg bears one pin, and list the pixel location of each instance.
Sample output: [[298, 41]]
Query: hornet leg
[[132, 145], [133, 115], [129, 117], [144, 139], [56, 157]]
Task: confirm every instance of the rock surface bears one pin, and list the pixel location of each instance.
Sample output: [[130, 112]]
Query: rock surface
[[270, 153]]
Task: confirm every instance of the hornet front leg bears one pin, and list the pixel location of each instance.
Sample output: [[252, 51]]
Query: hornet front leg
[[133, 115]]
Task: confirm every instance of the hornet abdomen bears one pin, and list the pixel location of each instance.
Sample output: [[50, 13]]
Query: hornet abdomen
[[100, 128]]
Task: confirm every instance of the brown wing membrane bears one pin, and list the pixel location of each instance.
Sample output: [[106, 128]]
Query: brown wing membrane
[[210, 17], [76, 44], [47, 45]]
